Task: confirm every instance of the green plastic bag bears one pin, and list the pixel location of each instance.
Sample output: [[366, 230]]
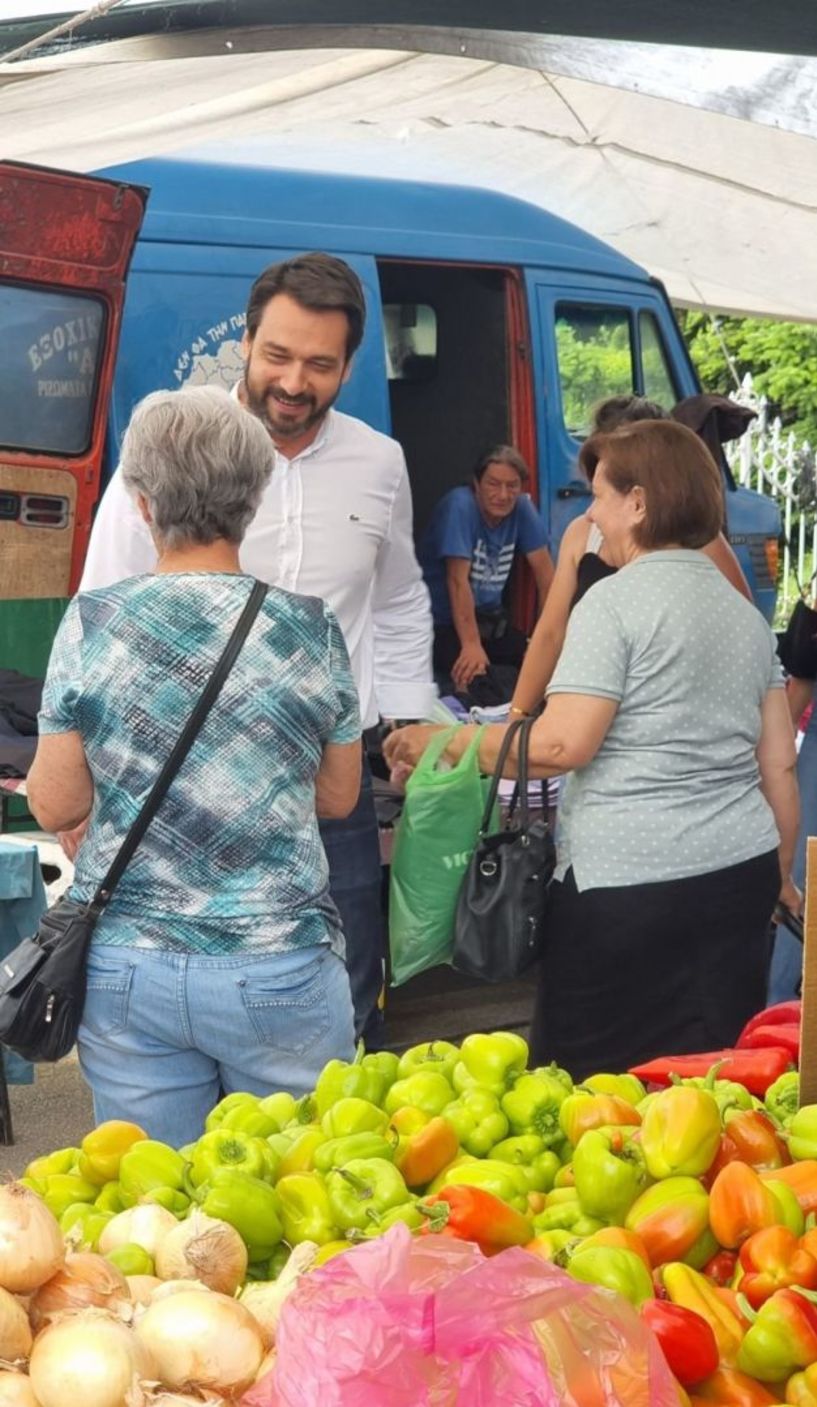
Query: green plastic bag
[[435, 837]]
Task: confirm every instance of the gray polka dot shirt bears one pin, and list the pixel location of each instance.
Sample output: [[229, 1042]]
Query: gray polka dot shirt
[[674, 789]]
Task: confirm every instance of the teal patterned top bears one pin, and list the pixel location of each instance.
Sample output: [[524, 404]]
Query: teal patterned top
[[233, 860]]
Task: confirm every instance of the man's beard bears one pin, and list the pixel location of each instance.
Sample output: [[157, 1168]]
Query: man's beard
[[263, 408]]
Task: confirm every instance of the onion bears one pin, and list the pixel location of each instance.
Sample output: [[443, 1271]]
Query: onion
[[86, 1281], [265, 1299], [267, 1364], [202, 1341], [203, 1248], [31, 1244], [15, 1330], [141, 1287], [184, 1399], [16, 1391], [144, 1225], [164, 1288], [90, 1358]]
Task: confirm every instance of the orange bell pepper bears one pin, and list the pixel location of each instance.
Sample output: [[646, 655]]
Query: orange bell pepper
[[801, 1388], [801, 1178], [581, 1112], [619, 1239], [749, 1137], [771, 1260], [729, 1388], [740, 1205], [426, 1152], [689, 1288]]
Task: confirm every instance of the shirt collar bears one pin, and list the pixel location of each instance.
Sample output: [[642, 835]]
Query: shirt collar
[[322, 438], [674, 554]]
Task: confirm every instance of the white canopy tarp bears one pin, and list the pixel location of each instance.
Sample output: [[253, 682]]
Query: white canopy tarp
[[701, 167]]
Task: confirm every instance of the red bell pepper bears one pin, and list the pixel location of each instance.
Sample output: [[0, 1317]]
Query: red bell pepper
[[721, 1268], [771, 1260], [787, 1036], [781, 1014], [471, 1214], [755, 1069], [749, 1137], [686, 1340], [730, 1388]]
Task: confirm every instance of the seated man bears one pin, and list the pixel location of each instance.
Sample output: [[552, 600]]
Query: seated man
[[466, 554]]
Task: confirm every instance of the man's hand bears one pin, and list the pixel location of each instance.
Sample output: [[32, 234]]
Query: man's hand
[[404, 747], [471, 661], [72, 840]]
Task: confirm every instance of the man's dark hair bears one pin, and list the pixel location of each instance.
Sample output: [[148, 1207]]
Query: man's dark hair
[[502, 454], [319, 282], [623, 410]]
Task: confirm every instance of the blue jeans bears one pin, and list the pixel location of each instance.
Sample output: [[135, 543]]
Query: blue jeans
[[787, 958], [353, 850], [164, 1034]]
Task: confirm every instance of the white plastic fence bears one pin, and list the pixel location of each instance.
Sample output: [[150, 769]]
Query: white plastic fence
[[772, 461]]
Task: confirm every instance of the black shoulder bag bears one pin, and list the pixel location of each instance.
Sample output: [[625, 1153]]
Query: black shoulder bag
[[42, 982], [499, 922], [797, 645]]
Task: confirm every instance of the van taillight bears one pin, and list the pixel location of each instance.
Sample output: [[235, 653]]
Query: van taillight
[[772, 549], [43, 510]]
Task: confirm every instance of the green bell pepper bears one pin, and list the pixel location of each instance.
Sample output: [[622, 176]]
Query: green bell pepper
[[82, 1225], [425, 1090], [441, 1056], [337, 1152], [493, 1062], [783, 1098], [131, 1259], [241, 1099], [147, 1165], [280, 1107], [609, 1174], [527, 1151], [300, 1155], [364, 1186], [567, 1216], [110, 1199], [248, 1204], [306, 1214], [627, 1087], [533, 1105], [64, 1160], [366, 1077], [503, 1180], [789, 1210], [478, 1121], [250, 1119], [803, 1133], [615, 1268], [408, 1213], [352, 1115], [62, 1189], [224, 1148], [169, 1198]]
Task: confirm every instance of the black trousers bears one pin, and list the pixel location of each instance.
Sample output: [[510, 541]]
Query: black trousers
[[505, 654], [645, 970]]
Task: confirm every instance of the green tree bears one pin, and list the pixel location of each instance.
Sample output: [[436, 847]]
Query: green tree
[[781, 356]]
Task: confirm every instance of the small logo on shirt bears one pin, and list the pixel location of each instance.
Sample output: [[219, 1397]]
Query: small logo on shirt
[[353, 518]]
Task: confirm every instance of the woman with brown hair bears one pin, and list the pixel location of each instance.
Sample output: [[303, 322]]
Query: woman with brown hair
[[680, 812]]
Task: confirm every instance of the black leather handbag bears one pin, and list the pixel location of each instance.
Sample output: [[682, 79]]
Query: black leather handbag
[[499, 921], [797, 646], [42, 982]]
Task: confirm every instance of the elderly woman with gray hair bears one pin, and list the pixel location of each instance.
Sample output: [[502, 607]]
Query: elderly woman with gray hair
[[217, 966]]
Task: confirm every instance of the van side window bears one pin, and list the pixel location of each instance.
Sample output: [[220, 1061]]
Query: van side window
[[49, 356], [655, 371], [594, 346], [410, 331]]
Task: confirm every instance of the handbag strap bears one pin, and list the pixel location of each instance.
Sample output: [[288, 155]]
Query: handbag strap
[[510, 733], [183, 744]]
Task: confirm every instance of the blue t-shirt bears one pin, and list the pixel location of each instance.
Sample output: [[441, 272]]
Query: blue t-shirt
[[458, 529], [233, 860]]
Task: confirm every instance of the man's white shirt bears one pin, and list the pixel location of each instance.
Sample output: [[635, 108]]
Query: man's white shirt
[[335, 522]]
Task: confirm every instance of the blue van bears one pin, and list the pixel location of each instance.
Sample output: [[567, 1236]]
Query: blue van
[[490, 320]]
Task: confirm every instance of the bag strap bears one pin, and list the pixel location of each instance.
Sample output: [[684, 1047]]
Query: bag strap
[[183, 744], [510, 733]]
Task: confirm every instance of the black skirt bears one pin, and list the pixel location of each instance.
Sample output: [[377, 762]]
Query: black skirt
[[645, 970]]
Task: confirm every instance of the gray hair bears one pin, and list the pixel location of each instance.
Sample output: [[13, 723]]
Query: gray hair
[[201, 461]]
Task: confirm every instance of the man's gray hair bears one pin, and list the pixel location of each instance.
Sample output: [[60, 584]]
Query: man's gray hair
[[201, 461]]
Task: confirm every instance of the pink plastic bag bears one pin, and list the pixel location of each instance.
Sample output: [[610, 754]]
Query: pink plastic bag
[[408, 1321]]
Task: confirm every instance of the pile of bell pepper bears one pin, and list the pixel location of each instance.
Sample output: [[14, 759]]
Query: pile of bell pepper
[[696, 1199]]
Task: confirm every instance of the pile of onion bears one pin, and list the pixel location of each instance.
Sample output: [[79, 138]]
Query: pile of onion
[[31, 1244], [15, 1330], [201, 1341], [145, 1225], [86, 1281], [16, 1390]]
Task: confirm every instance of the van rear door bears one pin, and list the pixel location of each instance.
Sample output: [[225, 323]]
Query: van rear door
[[65, 245]]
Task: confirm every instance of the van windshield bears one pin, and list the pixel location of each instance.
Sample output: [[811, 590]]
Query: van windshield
[[49, 359]]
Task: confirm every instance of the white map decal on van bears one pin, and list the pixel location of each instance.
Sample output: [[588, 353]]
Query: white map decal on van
[[214, 358]]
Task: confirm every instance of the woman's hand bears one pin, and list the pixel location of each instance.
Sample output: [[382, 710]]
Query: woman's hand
[[405, 746], [790, 896]]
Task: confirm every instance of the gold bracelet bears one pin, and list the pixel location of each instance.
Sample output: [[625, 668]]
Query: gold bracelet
[[522, 712]]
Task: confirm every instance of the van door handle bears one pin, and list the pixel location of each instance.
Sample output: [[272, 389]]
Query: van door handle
[[574, 491]]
